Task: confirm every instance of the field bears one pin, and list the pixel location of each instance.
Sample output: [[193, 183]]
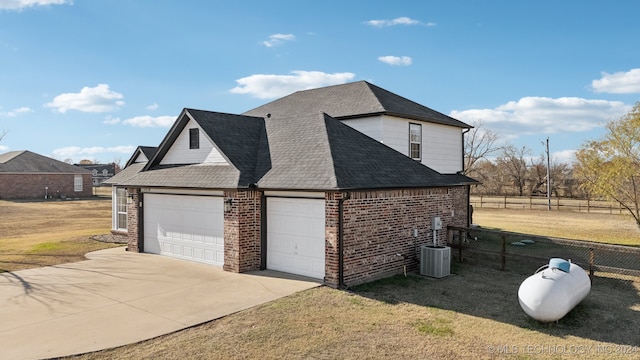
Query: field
[[604, 228], [35, 234]]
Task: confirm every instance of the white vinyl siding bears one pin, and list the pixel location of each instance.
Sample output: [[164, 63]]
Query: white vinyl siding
[[77, 183], [181, 153], [441, 147]]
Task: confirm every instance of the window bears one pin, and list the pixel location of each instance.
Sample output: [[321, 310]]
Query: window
[[120, 218], [77, 183], [415, 141], [194, 139]]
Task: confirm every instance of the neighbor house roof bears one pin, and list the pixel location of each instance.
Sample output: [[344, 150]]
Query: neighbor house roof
[[29, 162], [132, 167], [301, 152], [352, 100]]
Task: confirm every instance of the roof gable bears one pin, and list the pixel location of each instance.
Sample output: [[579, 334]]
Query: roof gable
[[353, 100], [179, 151], [30, 162]]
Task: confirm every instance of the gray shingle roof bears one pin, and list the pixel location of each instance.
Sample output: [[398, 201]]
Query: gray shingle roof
[[303, 152], [352, 100], [29, 162]]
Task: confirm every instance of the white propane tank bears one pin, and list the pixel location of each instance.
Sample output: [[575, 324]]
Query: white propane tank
[[550, 294]]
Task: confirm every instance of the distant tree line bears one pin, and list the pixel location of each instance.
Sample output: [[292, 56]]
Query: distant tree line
[[505, 169], [608, 168]]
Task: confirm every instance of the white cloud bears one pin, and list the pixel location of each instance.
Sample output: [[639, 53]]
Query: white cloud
[[4, 148], [267, 86], [111, 120], [564, 156], [97, 99], [542, 115], [150, 121], [397, 21], [278, 39], [16, 112], [618, 83], [396, 60], [19, 5], [152, 107], [78, 153]]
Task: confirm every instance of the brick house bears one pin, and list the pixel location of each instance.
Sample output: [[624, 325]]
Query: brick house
[[337, 183], [27, 175]]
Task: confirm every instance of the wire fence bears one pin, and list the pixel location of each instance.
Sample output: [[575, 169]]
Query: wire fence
[[524, 253], [542, 203]]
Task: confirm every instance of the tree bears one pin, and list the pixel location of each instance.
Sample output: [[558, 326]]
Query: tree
[[610, 167], [480, 144], [513, 162], [86, 162]]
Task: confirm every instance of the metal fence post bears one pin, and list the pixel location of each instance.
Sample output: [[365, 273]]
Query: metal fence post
[[592, 258]]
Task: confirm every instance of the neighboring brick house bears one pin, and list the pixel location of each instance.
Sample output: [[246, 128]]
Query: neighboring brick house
[[27, 175], [303, 185]]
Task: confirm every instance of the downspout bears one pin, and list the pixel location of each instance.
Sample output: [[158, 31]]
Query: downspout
[[468, 221], [263, 231], [341, 201], [140, 221]]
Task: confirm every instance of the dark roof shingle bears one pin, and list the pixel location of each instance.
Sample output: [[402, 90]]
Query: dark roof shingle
[[352, 100], [29, 162]]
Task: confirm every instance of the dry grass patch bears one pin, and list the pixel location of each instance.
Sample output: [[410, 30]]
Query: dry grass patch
[[36, 234], [473, 314], [611, 229]]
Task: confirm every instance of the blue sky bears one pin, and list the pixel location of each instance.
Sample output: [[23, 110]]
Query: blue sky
[[92, 79]]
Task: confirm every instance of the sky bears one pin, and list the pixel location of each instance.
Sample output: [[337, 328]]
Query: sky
[[94, 79]]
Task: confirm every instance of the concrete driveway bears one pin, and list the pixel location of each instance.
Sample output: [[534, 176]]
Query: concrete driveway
[[117, 298]]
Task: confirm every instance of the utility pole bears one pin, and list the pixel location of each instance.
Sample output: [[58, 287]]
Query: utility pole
[[548, 178]]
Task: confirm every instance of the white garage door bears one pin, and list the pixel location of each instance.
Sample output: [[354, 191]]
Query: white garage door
[[296, 236], [185, 227]]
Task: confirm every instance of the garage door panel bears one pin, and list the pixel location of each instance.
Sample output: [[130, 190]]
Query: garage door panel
[[296, 236], [185, 227]]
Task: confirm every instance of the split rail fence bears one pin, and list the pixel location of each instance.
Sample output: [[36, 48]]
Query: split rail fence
[[542, 203]]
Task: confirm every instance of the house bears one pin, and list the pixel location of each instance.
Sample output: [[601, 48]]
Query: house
[[27, 175], [99, 172], [338, 183]]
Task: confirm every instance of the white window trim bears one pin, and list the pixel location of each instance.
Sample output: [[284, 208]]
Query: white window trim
[[77, 183], [419, 142], [116, 210]]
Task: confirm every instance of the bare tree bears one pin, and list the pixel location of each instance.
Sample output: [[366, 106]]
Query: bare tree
[[512, 161], [480, 144]]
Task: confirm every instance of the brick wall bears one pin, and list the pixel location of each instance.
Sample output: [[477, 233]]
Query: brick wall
[[379, 225], [132, 220], [242, 231], [32, 186]]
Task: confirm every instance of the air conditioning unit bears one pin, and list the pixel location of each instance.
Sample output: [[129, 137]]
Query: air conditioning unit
[[435, 261]]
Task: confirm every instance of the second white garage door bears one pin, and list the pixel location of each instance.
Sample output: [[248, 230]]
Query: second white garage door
[[185, 227], [296, 236]]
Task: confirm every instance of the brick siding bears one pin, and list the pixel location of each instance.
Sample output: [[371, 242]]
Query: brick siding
[[379, 228], [378, 225], [242, 231], [32, 186], [133, 207]]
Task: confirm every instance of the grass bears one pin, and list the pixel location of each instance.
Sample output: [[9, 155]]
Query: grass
[[36, 234], [473, 314], [604, 228]]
